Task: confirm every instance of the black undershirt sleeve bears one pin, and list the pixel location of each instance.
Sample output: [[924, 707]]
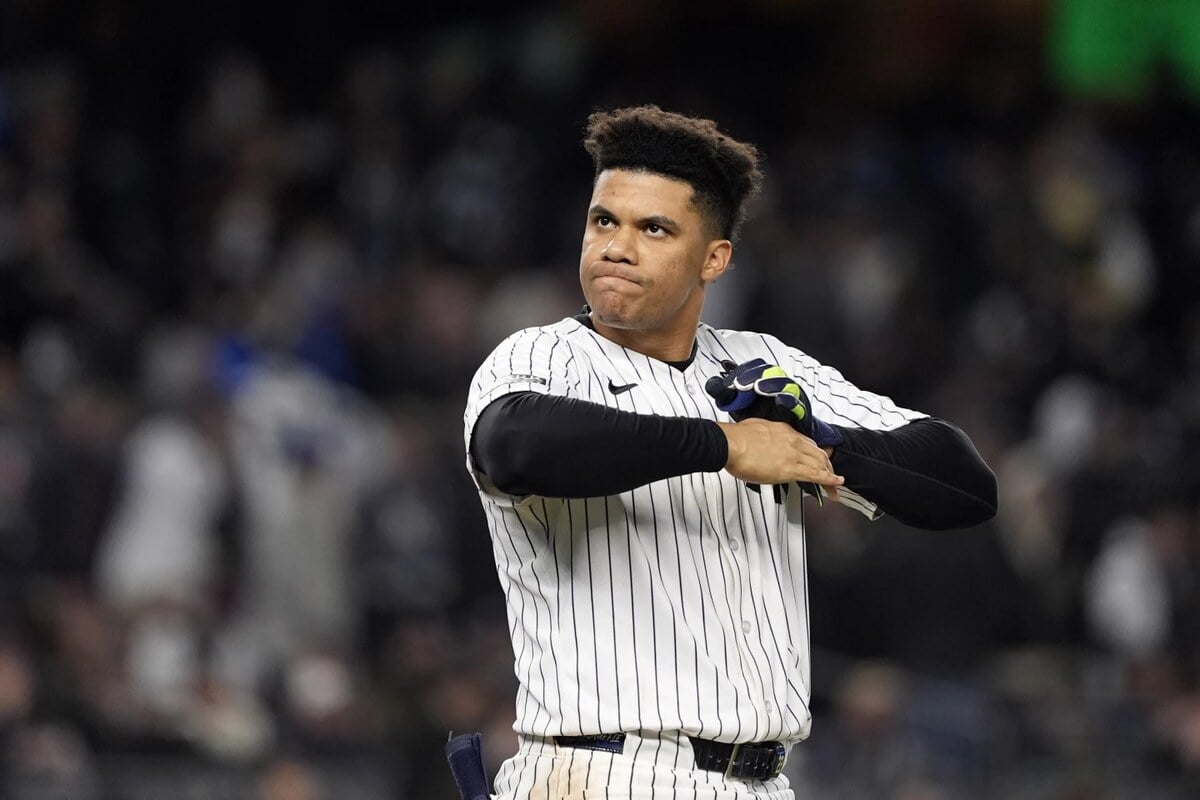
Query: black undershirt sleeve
[[530, 443], [926, 474]]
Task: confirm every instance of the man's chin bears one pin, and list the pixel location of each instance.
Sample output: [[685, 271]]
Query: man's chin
[[613, 319]]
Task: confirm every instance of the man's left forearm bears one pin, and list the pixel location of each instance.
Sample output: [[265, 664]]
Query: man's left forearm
[[926, 474]]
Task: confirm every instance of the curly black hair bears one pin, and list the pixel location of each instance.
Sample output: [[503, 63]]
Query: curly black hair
[[722, 171]]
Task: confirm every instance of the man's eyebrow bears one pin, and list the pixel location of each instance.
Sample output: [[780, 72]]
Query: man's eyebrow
[[660, 220]]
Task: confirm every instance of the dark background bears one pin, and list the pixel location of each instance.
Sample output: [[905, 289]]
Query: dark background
[[250, 256]]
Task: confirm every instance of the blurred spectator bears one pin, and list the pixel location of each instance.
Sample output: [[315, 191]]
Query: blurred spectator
[[1130, 586], [864, 753], [407, 560], [304, 451], [50, 761], [287, 779], [78, 457]]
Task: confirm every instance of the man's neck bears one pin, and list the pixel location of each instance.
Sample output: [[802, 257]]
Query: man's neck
[[670, 346]]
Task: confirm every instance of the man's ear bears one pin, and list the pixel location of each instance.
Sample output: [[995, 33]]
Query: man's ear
[[717, 260]]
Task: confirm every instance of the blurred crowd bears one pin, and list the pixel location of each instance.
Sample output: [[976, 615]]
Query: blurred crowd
[[245, 280]]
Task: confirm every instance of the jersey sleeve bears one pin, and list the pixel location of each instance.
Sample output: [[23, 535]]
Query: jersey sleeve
[[839, 402], [531, 360]]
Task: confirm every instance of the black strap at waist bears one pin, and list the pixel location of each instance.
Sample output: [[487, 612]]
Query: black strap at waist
[[749, 760]]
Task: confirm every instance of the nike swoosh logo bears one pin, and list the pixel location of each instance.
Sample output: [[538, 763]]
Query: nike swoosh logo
[[618, 389]]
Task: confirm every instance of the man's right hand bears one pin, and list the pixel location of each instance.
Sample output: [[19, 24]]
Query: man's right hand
[[766, 452]]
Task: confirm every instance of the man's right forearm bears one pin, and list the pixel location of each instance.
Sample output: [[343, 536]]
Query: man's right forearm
[[529, 443]]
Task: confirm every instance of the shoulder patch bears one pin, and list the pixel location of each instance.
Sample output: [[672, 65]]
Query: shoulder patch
[[524, 379]]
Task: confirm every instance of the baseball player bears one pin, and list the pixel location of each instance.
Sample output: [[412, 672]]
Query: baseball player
[[643, 477]]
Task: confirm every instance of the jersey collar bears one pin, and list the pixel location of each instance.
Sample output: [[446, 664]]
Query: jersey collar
[[585, 320]]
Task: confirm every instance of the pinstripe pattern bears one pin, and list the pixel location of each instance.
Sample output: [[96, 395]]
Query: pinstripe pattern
[[680, 606]]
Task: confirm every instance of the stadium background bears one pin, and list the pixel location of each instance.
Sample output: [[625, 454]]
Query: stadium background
[[250, 256]]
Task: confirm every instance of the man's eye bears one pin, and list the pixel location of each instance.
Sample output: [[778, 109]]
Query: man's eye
[[652, 228], [603, 221]]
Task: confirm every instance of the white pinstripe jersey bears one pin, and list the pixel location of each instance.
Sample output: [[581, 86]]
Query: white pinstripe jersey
[[681, 605]]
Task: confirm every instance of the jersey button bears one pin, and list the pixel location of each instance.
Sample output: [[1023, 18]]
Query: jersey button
[[770, 707], [691, 389], [733, 545], [745, 626]]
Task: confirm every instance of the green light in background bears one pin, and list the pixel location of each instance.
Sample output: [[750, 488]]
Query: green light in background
[[1115, 49]]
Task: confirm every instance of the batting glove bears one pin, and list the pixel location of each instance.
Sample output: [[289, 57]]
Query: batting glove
[[758, 389]]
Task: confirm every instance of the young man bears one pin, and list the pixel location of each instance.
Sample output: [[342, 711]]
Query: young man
[[649, 534]]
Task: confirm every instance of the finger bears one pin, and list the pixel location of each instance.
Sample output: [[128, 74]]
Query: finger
[[740, 401], [746, 381], [789, 403], [815, 474], [773, 386], [811, 449], [750, 374]]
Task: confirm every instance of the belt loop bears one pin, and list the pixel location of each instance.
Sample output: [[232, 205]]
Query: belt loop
[[733, 759]]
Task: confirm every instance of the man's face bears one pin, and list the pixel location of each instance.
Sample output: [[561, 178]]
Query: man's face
[[646, 253]]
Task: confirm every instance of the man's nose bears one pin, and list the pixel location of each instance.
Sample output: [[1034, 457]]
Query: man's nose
[[620, 247]]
